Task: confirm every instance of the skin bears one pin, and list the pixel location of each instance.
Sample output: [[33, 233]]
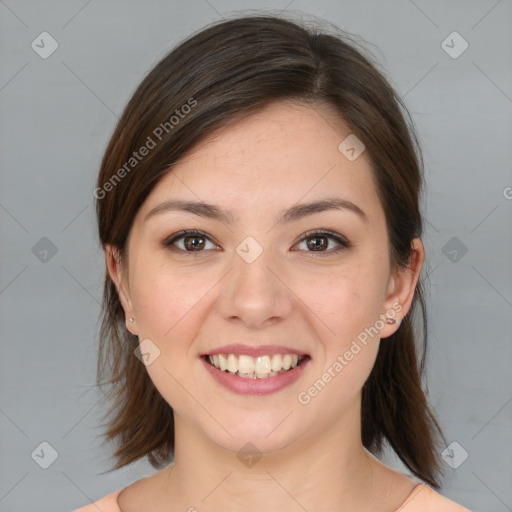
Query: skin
[[187, 303]]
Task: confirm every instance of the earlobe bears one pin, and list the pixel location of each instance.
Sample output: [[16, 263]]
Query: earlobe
[[118, 275], [401, 289]]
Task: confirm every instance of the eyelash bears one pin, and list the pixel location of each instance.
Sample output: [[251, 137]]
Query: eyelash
[[344, 244]]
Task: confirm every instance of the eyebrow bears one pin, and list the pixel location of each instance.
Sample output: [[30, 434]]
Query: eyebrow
[[287, 216]]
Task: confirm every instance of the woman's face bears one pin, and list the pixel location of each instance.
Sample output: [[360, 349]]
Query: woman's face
[[262, 273]]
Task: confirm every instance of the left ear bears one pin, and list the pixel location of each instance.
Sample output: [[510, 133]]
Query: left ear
[[401, 288]]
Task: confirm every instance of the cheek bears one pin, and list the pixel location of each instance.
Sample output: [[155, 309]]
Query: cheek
[[346, 299], [165, 298], [169, 309], [345, 303]]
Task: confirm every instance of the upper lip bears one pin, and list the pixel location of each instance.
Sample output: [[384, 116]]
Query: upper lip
[[254, 351]]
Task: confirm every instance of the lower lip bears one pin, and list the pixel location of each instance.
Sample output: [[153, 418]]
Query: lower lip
[[256, 386]]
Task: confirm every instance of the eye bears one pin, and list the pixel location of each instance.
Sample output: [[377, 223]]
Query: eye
[[193, 241], [318, 241]]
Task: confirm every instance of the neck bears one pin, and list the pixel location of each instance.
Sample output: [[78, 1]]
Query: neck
[[333, 469]]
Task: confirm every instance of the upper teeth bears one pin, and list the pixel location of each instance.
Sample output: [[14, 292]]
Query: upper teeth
[[263, 366]]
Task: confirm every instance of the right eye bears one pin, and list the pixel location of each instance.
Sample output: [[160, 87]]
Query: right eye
[[192, 241]]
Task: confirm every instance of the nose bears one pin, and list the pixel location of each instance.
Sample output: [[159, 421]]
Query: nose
[[255, 294]]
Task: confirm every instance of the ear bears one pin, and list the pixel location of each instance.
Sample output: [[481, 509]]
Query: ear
[[401, 289], [118, 272]]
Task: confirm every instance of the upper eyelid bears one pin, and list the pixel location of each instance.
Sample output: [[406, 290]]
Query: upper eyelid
[[321, 232], [188, 232]]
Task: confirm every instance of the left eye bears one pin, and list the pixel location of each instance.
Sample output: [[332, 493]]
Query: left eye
[[319, 241]]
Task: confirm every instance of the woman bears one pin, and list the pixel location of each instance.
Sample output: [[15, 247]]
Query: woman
[[258, 205]]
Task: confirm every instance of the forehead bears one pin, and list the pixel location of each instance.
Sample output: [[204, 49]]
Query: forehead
[[285, 126], [282, 154]]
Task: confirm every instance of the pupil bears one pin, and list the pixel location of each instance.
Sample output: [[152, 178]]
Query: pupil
[[319, 245], [195, 245]]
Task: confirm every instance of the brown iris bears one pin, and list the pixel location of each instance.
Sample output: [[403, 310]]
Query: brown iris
[[193, 246], [316, 246]]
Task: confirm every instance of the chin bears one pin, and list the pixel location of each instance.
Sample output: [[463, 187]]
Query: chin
[[261, 432]]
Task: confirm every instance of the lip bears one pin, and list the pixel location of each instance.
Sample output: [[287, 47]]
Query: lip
[[251, 350], [256, 386]]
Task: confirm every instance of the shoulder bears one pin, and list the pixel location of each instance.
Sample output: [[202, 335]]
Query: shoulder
[[106, 504], [424, 499]]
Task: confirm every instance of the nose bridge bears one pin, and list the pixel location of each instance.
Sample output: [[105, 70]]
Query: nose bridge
[[252, 292]]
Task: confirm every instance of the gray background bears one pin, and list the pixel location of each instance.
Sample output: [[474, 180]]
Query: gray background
[[56, 118]]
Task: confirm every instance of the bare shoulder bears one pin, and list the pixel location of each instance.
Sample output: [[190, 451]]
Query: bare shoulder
[[425, 499], [106, 504], [138, 495], [410, 495]]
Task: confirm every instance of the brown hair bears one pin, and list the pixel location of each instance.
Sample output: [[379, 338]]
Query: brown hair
[[218, 76]]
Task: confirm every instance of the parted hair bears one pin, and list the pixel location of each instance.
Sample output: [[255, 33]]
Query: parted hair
[[218, 76]]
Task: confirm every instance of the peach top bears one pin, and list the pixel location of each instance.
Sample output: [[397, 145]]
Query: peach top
[[422, 499]]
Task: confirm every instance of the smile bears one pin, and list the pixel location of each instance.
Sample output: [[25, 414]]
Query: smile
[[261, 367], [259, 375]]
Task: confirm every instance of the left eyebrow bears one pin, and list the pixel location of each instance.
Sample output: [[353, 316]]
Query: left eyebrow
[[333, 203], [286, 216]]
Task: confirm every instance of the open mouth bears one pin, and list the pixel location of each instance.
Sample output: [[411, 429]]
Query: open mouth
[[261, 367]]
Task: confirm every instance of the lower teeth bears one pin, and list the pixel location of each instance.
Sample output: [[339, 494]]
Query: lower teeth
[[257, 375]]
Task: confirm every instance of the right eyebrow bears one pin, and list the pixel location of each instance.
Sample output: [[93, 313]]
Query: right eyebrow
[[196, 207]]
